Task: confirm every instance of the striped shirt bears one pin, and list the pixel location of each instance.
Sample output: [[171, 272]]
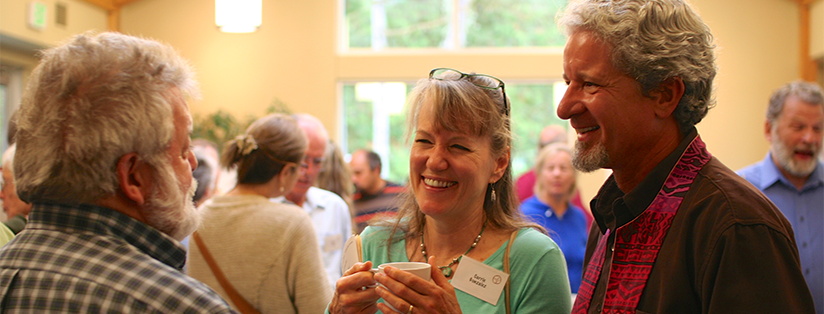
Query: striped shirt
[[90, 259]]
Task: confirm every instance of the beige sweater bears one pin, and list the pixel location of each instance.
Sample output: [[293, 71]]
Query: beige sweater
[[268, 251]]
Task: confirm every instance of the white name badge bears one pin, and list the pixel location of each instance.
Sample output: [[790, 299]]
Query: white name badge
[[479, 280]]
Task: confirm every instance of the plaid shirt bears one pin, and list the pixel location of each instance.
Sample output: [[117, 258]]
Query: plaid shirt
[[90, 259]]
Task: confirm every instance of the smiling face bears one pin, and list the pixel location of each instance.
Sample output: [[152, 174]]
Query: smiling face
[[613, 119], [450, 171], [795, 137]]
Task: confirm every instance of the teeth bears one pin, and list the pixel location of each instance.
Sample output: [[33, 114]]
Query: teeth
[[439, 184], [593, 128]]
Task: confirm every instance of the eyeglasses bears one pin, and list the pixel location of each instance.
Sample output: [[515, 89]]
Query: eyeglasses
[[442, 74]]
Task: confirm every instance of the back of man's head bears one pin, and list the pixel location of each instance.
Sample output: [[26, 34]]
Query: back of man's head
[[89, 102]]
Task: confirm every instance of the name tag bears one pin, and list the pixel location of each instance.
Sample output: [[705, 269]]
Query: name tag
[[479, 280]]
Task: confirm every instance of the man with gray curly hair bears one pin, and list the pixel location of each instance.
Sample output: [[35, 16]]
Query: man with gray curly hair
[[676, 231], [792, 176], [103, 157]]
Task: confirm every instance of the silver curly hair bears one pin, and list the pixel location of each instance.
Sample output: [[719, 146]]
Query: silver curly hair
[[806, 91], [653, 41], [90, 101]]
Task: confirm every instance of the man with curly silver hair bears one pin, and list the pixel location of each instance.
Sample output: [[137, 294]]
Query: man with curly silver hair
[[792, 176], [103, 157], [676, 231]]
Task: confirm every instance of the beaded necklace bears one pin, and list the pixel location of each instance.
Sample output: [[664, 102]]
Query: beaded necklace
[[447, 270]]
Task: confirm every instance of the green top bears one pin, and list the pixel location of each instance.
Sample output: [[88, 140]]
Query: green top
[[539, 282], [5, 234]]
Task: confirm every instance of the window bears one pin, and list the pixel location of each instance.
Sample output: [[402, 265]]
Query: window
[[374, 119], [450, 24]]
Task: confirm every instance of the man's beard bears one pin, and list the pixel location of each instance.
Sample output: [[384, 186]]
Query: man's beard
[[589, 159], [784, 156], [170, 209]]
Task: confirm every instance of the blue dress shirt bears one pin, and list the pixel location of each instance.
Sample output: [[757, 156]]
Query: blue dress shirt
[[804, 209], [569, 232]]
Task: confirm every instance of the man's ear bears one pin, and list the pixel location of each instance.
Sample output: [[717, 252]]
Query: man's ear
[[667, 96], [133, 177], [768, 130]]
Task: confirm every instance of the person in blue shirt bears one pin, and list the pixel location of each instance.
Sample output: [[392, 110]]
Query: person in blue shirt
[[551, 208], [792, 175]]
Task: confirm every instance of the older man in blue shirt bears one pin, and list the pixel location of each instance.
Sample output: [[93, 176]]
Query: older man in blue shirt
[[792, 176]]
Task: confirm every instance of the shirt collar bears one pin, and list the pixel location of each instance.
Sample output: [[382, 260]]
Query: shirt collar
[[615, 208], [85, 218]]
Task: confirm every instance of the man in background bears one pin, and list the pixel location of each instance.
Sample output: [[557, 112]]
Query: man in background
[[17, 211], [103, 157], [374, 197], [330, 214], [208, 169], [676, 231], [792, 176]]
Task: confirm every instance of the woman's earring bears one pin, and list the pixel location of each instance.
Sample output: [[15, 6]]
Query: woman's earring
[[493, 197], [281, 189]]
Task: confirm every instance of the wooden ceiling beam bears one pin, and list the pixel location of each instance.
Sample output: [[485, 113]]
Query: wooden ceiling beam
[[112, 7], [808, 70]]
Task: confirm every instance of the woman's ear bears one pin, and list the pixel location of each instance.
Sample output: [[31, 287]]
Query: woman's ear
[[500, 167], [133, 176]]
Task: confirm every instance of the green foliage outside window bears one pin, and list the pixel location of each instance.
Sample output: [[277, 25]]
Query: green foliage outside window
[[429, 23]]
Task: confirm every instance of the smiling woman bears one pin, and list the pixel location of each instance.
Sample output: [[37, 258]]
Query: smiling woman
[[460, 215]]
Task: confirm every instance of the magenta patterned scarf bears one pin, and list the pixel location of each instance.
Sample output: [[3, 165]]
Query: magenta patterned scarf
[[638, 242]]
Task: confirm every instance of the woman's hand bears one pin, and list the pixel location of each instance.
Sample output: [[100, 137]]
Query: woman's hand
[[352, 294], [411, 294]]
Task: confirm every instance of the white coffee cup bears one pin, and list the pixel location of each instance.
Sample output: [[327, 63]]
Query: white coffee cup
[[419, 269]]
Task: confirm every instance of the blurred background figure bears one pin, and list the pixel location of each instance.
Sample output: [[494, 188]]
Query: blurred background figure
[[329, 212], [266, 250], [551, 207], [792, 176], [525, 184], [17, 211], [207, 173], [336, 176], [374, 196]]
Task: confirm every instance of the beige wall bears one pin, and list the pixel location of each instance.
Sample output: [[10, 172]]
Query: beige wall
[[81, 16], [817, 29], [293, 57]]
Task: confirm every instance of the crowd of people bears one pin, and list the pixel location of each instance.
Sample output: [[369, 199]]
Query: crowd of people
[[114, 208]]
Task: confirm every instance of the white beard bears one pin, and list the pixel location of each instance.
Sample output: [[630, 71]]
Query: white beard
[[169, 208], [784, 156]]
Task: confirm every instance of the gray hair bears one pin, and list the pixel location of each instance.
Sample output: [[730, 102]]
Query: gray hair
[[806, 91], [90, 101], [653, 41]]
